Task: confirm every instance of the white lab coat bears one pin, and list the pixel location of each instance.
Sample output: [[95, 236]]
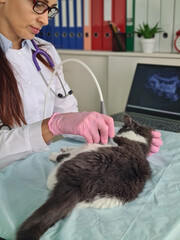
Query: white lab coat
[[20, 142]]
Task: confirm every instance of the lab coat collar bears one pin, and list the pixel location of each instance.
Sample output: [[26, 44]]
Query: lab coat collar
[[5, 43]]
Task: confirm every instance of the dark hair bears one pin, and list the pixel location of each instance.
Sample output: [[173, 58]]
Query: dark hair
[[11, 106]]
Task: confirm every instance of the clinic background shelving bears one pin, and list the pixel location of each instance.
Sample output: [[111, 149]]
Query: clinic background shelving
[[114, 72], [110, 24]]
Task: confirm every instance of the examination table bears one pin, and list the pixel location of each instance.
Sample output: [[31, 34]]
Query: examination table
[[154, 215]]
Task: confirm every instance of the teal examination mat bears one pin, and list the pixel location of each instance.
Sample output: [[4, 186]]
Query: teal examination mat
[[154, 215]]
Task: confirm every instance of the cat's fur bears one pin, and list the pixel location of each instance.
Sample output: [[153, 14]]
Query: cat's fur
[[99, 175]]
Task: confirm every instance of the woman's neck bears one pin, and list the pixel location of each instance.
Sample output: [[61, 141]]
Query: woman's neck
[[16, 41]]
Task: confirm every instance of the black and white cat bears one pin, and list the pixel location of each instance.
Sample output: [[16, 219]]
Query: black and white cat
[[94, 175]]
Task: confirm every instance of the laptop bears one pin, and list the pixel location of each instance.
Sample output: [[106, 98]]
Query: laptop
[[154, 98]]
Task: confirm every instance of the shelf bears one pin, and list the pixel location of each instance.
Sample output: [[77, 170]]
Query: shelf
[[123, 54]]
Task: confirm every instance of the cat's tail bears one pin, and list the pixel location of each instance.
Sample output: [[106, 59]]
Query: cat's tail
[[55, 208]]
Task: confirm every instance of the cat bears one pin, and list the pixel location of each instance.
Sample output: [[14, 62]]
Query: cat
[[95, 175]]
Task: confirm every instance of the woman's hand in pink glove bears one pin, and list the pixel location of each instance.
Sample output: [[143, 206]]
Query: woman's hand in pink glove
[[156, 142], [93, 126]]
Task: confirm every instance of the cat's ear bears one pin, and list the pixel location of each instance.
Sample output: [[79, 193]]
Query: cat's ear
[[127, 120]]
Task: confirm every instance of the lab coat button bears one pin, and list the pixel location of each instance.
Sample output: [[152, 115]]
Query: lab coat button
[[29, 82], [19, 53]]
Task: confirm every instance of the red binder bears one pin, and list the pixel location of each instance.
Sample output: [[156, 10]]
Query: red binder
[[107, 32], [119, 14], [96, 24], [119, 19], [87, 24]]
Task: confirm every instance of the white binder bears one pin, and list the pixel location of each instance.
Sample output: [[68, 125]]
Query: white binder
[[167, 22], [140, 17], [153, 16]]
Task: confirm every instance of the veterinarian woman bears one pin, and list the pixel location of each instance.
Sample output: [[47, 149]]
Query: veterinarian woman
[[23, 128]]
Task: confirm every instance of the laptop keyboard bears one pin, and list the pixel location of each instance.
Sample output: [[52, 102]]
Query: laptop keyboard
[[171, 126]]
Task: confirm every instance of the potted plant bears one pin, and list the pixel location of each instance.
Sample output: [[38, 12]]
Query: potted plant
[[147, 35]]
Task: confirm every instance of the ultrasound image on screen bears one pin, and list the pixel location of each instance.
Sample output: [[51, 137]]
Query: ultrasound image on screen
[[164, 84], [156, 87]]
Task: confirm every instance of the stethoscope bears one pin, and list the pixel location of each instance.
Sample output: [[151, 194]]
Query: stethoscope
[[51, 64], [55, 73], [56, 68]]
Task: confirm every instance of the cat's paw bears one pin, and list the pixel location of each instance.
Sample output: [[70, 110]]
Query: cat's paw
[[53, 156]]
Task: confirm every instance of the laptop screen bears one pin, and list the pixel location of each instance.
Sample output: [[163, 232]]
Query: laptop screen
[[155, 90]]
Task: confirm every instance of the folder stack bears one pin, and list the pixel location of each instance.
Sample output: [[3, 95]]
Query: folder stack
[[108, 25]]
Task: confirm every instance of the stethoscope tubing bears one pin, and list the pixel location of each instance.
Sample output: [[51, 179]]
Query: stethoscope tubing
[[59, 95], [51, 64]]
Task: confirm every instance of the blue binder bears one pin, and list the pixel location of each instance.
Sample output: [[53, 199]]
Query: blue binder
[[57, 27], [49, 31], [65, 23], [71, 21], [41, 34], [79, 24]]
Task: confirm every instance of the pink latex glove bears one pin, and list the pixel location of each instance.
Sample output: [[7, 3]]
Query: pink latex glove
[[156, 143], [93, 126]]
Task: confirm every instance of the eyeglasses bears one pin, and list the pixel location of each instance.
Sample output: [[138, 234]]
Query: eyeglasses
[[41, 7]]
